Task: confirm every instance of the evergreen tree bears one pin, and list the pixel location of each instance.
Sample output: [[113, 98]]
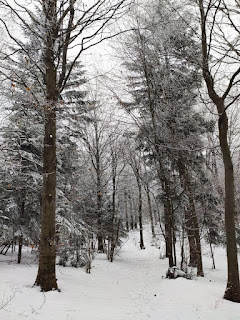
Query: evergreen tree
[[163, 80]]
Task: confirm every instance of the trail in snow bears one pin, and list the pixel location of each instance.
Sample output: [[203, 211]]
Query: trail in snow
[[132, 287]]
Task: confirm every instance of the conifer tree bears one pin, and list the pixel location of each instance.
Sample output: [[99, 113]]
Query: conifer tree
[[163, 80]]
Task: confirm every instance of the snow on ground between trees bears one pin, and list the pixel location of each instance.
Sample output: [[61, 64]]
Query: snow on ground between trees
[[133, 287]]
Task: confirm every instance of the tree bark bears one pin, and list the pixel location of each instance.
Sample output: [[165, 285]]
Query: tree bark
[[140, 214], [169, 233], [191, 239], [191, 221], [20, 248], [232, 292], [99, 220], [99, 192], [182, 248], [46, 277], [126, 210], [114, 236], [150, 210], [20, 240], [131, 211], [114, 242]]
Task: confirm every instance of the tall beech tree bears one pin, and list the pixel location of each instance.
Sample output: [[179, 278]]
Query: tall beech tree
[[63, 31], [221, 47]]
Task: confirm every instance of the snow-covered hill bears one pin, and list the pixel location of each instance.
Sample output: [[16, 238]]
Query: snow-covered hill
[[132, 288]]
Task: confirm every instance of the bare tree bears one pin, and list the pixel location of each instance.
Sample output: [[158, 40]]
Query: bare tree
[[220, 53], [97, 136], [135, 162], [117, 167], [64, 30]]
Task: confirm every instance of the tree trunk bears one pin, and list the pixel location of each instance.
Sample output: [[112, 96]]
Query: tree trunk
[[166, 230], [232, 292], [198, 247], [174, 250], [182, 248], [99, 212], [195, 226], [131, 211], [169, 233], [211, 250], [191, 220], [126, 209], [99, 220], [150, 211], [113, 235], [99, 193], [20, 240], [46, 277], [140, 214], [20, 248], [191, 238], [114, 242]]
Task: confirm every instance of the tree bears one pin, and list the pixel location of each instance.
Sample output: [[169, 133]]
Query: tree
[[117, 167], [163, 82], [146, 183], [23, 174], [219, 51], [134, 160], [96, 138], [59, 26]]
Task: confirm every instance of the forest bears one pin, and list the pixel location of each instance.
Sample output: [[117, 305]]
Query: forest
[[119, 153]]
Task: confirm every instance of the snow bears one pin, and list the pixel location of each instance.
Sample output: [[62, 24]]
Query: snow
[[132, 287]]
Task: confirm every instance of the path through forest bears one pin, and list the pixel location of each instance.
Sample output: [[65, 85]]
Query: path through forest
[[133, 287]]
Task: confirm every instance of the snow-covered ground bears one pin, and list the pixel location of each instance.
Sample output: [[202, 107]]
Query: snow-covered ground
[[133, 287]]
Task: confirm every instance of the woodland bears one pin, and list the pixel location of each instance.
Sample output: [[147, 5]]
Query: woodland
[[149, 141]]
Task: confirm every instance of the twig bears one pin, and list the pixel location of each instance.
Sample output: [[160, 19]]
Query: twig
[[7, 302], [44, 301]]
